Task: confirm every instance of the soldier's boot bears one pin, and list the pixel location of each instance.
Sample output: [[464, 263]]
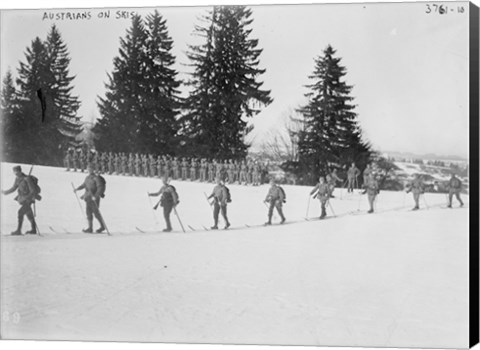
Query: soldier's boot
[[461, 202], [18, 231], [370, 211], [269, 222], [415, 207], [324, 213], [227, 225], [89, 229], [282, 217], [33, 230], [101, 228], [169, 225]]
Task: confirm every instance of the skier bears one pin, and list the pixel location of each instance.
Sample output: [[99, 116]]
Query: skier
[[94, 188], [454, 188], [322, 192], [352, 176], [168, 200], [27, 194], [275, 197], [75, 160], [372, 188], [333, 181], [176, 169], [221, 197], [417, 187]]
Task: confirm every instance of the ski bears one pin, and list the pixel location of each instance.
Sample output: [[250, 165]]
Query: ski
[[139, 230], [191, 228]]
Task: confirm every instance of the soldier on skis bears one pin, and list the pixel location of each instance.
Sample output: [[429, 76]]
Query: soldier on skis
[[352, 177], [168, 200], [372, 188], [94, 188], [322, 192], [454, 188], [220, 196], [26, 196], [417, 187], [275, 198]]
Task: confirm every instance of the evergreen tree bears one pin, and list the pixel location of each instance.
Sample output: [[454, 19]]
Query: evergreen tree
[[140, 106], [10, 121], [46, 106], [225, 87], [332, 136]]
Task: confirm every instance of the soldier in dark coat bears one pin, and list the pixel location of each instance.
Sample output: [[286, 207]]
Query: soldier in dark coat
[[275, 198], [94, 190], [168, 200], [26, 196], [454, 188], [322, 191], [220, 200]]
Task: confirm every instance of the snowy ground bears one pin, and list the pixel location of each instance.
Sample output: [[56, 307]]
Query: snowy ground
[[395, 278]]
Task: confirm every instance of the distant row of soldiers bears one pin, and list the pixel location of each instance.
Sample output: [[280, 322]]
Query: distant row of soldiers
[[193, 169]]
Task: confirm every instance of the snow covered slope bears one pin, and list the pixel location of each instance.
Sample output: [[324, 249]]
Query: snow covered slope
[[394, 278]]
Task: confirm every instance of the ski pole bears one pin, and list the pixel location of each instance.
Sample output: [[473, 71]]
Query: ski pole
[[101, 216], [331, 208], [424, 200], [153, 211], [178, 217], [208, 201], [78, 200], [308, 207]]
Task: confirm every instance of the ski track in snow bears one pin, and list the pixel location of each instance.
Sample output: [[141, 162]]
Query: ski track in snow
[[393, 278]]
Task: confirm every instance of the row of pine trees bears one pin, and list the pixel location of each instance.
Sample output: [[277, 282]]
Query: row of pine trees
[[143, 110]]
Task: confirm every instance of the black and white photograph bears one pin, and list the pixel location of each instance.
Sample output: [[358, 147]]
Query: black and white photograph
[[269, 174]]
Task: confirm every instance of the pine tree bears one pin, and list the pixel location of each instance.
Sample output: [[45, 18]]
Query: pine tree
[[46, 106], [332, 135], [65, 105], [140, 106], [10, 121], [225, 87]]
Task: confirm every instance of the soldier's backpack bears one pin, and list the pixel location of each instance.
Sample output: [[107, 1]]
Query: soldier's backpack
[[167, 197], [103, 186], [284, 195], [36, 188], [229, 197], [455, 183]]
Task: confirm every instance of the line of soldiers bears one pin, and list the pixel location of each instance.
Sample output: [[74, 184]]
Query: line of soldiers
[[247, 171], [94, 186]]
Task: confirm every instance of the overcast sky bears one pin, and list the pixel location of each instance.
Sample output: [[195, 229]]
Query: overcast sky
[[409, 68]]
